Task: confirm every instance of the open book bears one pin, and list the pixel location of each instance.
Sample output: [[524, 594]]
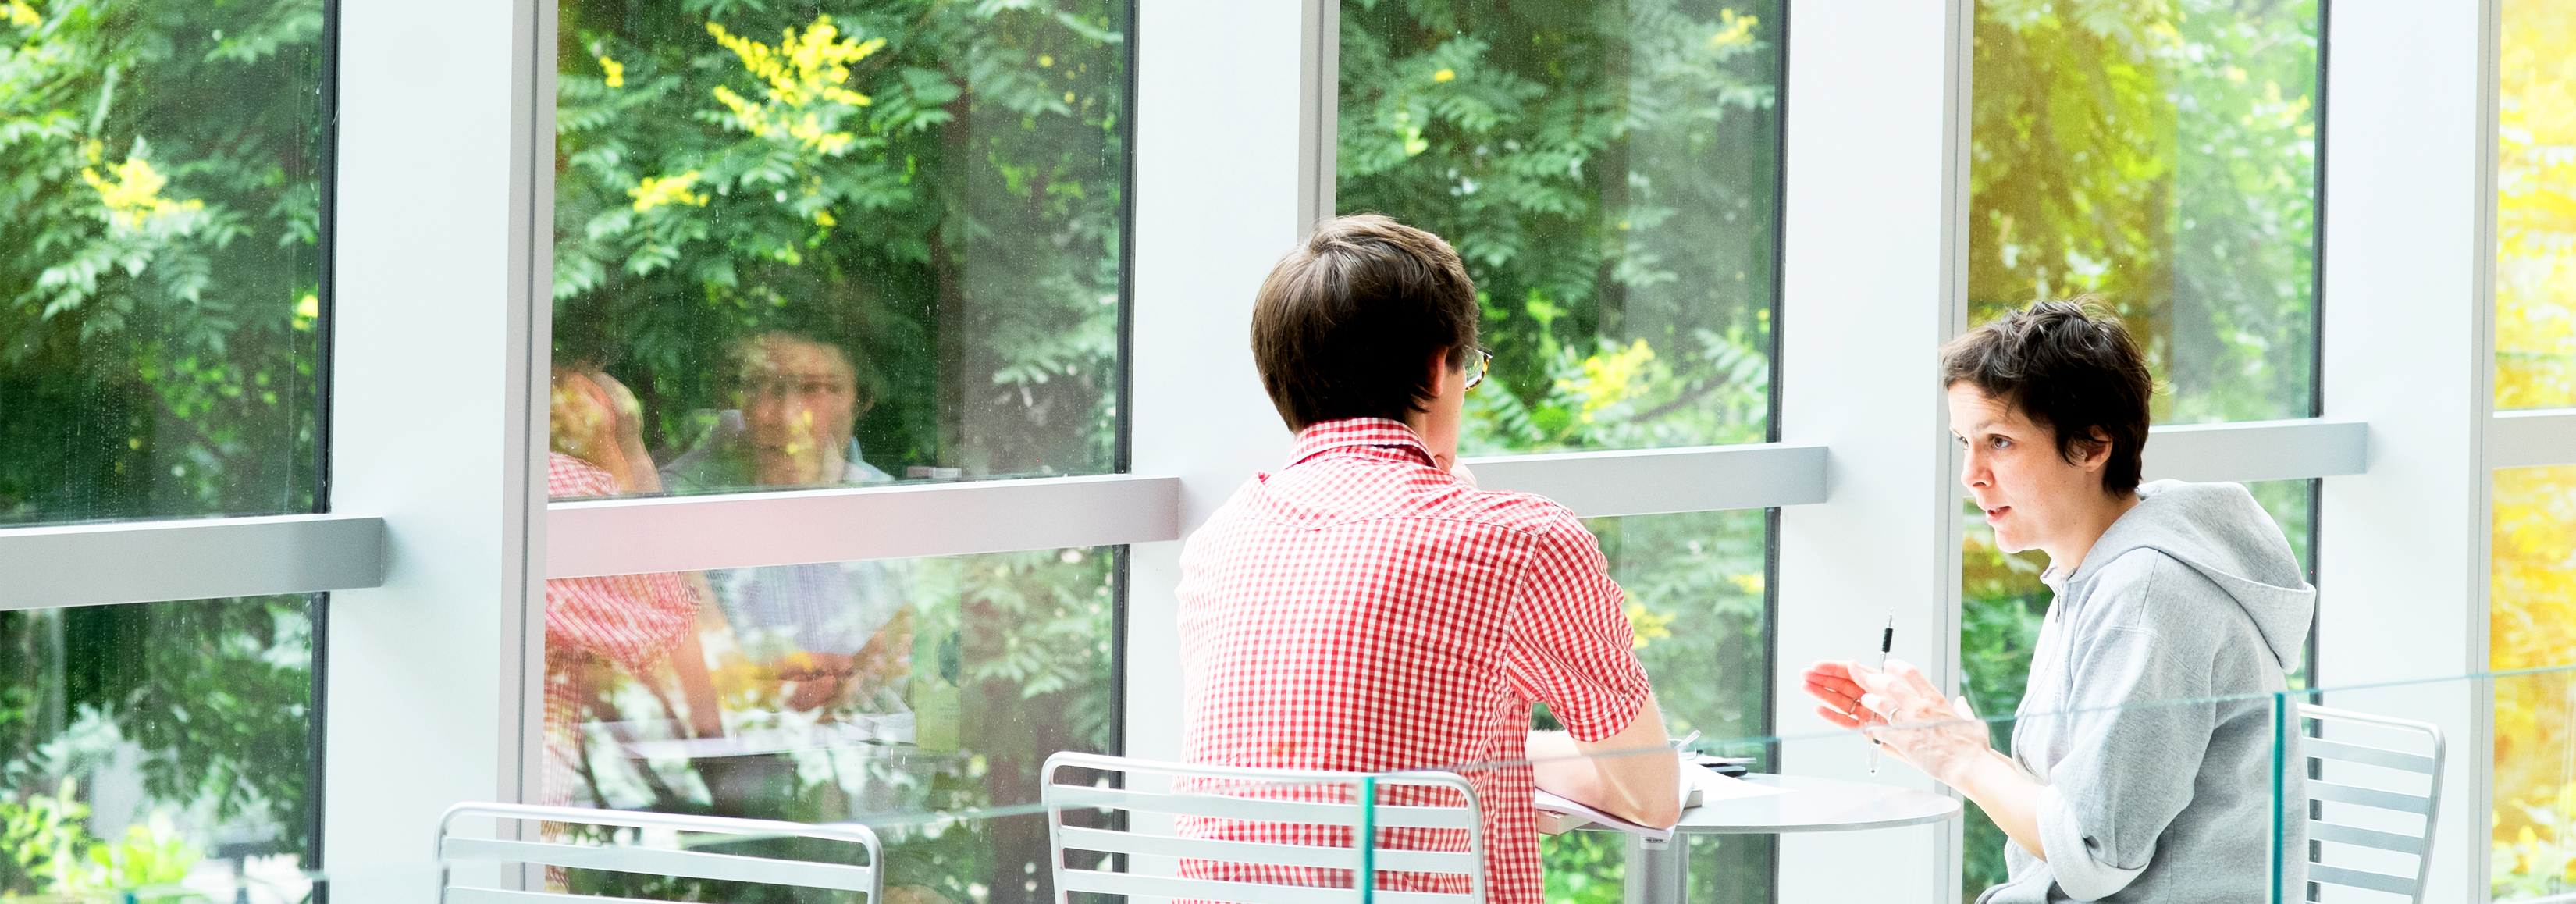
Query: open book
[[1557, 815]]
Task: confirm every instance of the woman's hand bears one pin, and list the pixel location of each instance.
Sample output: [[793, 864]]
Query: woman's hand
[[1945, 739]]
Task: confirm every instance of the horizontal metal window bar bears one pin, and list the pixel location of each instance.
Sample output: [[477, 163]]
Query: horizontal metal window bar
[[1663, 481], [139, 562], [690, 533], [2531, 439], [2258, 450]]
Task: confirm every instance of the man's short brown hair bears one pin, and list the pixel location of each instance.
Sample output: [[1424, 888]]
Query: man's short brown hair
[[1345, 323], [2069, 366]]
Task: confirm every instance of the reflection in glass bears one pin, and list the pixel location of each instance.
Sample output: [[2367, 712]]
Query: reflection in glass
[[158, 747], [1611, 176], [809, 247], [2532, 624], [1698, 602], [835, 691], [160, 288], [2536, 207], [2001, 604], [2163, 157]]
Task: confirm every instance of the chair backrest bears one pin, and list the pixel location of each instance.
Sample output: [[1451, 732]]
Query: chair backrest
[[1466, 816], [2323, 754], [651, 861]]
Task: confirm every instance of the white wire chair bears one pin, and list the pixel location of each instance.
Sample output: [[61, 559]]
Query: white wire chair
[[1060, 797], [2322, 753], [868, 879]]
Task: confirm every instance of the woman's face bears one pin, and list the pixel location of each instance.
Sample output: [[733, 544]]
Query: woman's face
[[2033, 496]]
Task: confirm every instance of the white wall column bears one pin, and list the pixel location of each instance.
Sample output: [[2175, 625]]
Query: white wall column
[[1868, 298], [2402, 560], [1218, 88], [430, 429]]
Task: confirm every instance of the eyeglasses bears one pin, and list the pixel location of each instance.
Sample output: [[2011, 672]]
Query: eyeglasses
[[1476, 373]]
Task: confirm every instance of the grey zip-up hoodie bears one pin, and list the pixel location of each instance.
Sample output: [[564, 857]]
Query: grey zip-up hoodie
[[2193, 594]]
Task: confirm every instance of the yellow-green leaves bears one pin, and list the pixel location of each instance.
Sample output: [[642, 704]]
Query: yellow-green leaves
[[801, 74], [133, 199], [654, 191]]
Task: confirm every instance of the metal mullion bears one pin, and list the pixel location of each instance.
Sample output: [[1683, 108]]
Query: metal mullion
[[151, 561], [633, 536]]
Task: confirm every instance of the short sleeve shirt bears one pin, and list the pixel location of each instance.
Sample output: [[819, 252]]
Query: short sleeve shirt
[[1363, 610]]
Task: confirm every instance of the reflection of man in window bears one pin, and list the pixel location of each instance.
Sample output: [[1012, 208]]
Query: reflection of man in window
[[838, 631]]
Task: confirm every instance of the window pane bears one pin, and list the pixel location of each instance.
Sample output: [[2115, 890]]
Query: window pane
[[2532, 624], [160, 291], [805, 248], [838, 691], [2164, 158], [1698, 600], [176, 739], [1611, 174], [2536, 208]]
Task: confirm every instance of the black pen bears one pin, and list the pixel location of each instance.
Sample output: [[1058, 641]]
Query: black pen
[[1886, 642]]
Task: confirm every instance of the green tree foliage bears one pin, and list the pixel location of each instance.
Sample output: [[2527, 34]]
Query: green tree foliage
[[160, 224], [2161, 154], [936, 187], [1610, 174]]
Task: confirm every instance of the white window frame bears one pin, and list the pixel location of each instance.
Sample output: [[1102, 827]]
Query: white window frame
[[441, 536]]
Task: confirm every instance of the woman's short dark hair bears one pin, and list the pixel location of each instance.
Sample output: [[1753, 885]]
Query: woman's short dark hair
[[1345, 323], [2069, 366]]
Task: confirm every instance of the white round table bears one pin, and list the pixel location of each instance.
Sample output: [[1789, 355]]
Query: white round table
[[1658, 872]]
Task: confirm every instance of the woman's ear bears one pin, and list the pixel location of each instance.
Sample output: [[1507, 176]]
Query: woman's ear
[[2096, 450]]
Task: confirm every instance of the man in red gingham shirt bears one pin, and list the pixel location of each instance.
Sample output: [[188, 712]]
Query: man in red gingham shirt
[[1367, 608]]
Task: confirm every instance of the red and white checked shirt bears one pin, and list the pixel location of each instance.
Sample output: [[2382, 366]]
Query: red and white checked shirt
[[631, 620], [1362, 610]]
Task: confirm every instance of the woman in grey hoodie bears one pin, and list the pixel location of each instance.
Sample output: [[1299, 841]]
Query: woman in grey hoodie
[[2165, 592]]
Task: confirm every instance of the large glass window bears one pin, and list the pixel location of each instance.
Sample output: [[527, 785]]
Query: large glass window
[[803, 244], [1611, 174], [2163, 160], [838, 691], [2532, 600], [2536, 208], [159, 749], [160, 258]]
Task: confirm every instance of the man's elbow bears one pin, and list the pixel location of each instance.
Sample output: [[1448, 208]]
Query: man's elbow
[[1663, 813]]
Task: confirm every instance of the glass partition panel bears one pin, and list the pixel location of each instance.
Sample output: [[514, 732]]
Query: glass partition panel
[[799, 246], [161, 294], [2536, 207], [835, 691], [161, 750], [1611, 175]]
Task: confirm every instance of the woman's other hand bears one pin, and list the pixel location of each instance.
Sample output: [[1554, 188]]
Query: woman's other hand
[[1832, 684], [1944, 738]]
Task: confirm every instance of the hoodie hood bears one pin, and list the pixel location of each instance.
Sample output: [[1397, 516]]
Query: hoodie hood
[[2218, 530]]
